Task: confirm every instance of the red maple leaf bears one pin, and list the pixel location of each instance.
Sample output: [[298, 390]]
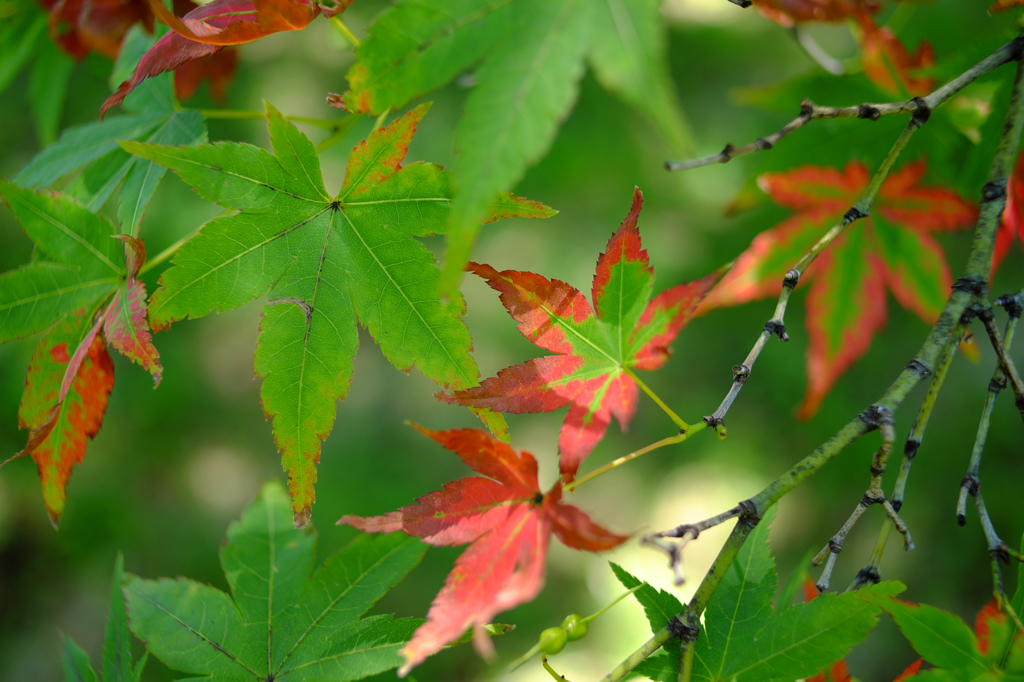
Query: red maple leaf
[[596, 352], [83, 26], [509, 522], [788, 13], [888, 63], [893, 248], [1003, 5], [206, 29], [61, 418], [1013, 222]]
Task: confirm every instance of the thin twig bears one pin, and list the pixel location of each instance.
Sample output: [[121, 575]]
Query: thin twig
[[1005, 361], [968, 290], [809, 111], [687, 533], [873, 495], [995, 386], [671, 440], [870, 573], [776, 326]]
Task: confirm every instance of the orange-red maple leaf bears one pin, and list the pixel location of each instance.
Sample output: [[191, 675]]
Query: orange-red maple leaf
[[508, 521], [888, 63], [788, 13], [1003, 5], [892, 249], [596, 351], [206, 29], [60, 424], [1013, 222], [83, 26]]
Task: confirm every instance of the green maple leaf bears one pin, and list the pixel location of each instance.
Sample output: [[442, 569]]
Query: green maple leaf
[[533, 54], [328, 261], [283, 621], [741, 639], [992, 653], [117, 652]]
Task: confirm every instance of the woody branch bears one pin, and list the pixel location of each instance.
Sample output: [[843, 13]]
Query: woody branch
[[969, 290]]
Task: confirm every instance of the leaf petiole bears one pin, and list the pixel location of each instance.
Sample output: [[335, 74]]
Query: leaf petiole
[[346, 31], [683, 426], [253, 115], [614, 602], [672, 440]]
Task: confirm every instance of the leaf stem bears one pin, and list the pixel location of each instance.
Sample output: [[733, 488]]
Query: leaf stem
[[379, 123], [346, 31], [683, 426], [551, 671], [672, 440], [613, 603]]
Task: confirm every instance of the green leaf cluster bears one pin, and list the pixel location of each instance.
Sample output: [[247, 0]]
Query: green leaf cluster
[[742, 639], [283, 620], [527, 58], [994, 652], [330, 263]]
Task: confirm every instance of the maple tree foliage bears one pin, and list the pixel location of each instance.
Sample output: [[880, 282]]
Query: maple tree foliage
[[330, 262], [889, 64], [508, 521], [532, 55], [82, 26], [1012, 224], [82, 290], [788, 13], [204, 30], [597, 347], [892, 249]]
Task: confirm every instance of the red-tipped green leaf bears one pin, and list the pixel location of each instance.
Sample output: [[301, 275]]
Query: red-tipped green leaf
[[127, 329], [888, 63], [846, 303], [903, 201], [910, 671], [596, 350], [79, 415], [1012, 224], [845, 309]]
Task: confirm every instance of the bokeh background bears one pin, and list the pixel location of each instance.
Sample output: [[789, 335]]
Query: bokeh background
[[172, 467]]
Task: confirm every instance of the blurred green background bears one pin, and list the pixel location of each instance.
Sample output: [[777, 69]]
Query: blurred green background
[[172, 467]]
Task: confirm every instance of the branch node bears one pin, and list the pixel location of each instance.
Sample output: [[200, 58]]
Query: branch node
[[1012, 304], [749, 513], [791, 279], [854, 214], [763, 144], [713, 421], [876, 416], [910, 448], [726, 153], [869, 112], [918, 367], [975, 286], [740, 373], [686, 633], [972, 484], [992, 191], [868, 574], [997, 384], [921, 112], [1000, 553], [835, 546], [776, 328], [806, 109]]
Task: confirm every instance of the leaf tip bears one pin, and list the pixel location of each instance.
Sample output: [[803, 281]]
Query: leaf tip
[[301, 517]]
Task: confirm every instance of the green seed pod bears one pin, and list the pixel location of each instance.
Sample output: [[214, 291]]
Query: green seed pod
[[553, 640], [575, 627]]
